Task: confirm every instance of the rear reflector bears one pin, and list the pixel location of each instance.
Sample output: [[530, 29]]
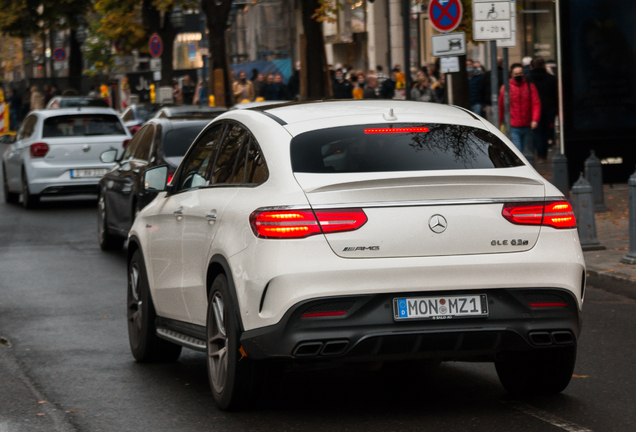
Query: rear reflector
[[39, 150], [395, 130], [536, 305], [304, 223], [323, 314], [557, 214]]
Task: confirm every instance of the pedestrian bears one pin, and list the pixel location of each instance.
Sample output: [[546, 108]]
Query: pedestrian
[[47, 94], [440, 89], [15, 106], [474, 80], [258, 83], [342, 89], [525, 62], [370, 89], [380, 76], [421, 90], [485, 91], [187, 90], [358, 86], [55, 91], [387, 91], [243, 89], [37, 99], [525, 107], [176, 92], [547, 86], [271, 90], [293, 85], [282, 88]]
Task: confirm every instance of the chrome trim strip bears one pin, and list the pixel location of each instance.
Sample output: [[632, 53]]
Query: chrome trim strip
[[429, 203], [181, 339]]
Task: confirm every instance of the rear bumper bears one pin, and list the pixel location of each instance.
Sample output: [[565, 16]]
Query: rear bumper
[[49, 179], [368, 331]]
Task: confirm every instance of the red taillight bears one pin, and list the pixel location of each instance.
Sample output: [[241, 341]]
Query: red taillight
[[395, 130], [39, 150], [558, 304], [125, 143], [134, 129], [304, 223], [557, 214]]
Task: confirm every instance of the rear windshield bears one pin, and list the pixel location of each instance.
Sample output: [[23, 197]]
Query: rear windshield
[[82, 125], [177, 142], [69, 103], [399, 147]]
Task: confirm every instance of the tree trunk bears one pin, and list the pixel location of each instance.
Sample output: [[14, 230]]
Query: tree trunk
[[217, 15], [318, 80], [461, 92], [75, 62]]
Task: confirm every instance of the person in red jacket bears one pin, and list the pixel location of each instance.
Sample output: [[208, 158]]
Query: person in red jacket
[[525, 107]]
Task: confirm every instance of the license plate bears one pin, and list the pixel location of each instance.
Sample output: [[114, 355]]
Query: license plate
[[440, 308], [83, 173]]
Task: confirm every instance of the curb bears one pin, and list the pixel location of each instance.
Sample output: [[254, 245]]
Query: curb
[[612, 282]]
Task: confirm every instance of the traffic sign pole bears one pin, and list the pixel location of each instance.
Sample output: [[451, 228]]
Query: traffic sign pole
[[494, 83]]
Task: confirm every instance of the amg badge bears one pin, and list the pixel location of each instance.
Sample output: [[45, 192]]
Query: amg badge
[[361, 248]]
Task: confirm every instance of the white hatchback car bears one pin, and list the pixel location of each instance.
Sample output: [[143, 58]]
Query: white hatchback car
[[356, 231], [56, 152]]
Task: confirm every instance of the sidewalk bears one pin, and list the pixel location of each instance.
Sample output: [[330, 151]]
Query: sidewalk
[[604, 269]]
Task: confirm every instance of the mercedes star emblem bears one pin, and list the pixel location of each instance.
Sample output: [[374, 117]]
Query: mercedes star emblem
[[437, 224], [86, 148]]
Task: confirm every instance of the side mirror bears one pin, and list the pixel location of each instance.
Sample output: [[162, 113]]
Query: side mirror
[[109, 156], [156, 179]]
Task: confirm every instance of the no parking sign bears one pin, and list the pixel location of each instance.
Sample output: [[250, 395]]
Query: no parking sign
[[155, 45], [445, 15]]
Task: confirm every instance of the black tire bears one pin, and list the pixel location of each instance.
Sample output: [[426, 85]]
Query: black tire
[[145, 345], [235, 382], [107, 241], [29, 201], [540, 372], [9, 197]]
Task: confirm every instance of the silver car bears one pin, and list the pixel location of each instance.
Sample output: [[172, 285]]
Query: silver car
[[56, 152]]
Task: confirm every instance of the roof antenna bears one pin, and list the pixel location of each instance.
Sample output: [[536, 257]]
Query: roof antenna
[[390, 116]]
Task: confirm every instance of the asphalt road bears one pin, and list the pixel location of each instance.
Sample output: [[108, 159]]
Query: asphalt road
[[69, 368]]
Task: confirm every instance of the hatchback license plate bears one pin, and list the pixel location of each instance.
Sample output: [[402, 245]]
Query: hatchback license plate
[[440, 308], [83, 173]]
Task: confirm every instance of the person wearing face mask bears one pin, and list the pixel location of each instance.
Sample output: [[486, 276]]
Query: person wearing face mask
[[525, 107], [342, 89]]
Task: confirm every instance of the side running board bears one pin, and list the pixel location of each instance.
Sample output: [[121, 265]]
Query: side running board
[[181, 339]]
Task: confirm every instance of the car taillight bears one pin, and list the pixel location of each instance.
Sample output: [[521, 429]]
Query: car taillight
[[304, 223], [39, 150], [557, 214], [134, 129], [125, 143]]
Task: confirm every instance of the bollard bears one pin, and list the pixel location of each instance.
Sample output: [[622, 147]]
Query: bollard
[[560, 173], [630, 258], [583, 199], [594, 175]]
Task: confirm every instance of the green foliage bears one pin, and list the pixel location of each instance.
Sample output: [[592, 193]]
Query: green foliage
[[25, 18]]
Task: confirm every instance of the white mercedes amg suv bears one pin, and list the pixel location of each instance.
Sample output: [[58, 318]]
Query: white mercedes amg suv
[[352, 231]]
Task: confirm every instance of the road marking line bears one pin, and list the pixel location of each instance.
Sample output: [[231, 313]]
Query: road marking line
[[547, 417]]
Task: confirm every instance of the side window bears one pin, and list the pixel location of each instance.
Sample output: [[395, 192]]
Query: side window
[[128, 115], [256, 171], [241, 161], [196, 167], [28, 127], [132, 145], [228, 154], [142, 152]]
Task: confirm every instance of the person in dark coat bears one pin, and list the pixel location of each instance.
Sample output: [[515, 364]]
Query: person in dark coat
[[548, 89], [187, 90], [342, 89], [474, 81], [370, 88], [387, 91]]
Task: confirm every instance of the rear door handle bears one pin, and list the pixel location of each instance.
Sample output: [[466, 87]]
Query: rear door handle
[[178, 213], [211, 216]]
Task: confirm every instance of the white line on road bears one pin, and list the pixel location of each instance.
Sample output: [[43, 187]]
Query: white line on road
[[547, 417]]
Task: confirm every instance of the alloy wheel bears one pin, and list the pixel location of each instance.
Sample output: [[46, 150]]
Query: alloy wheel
[[135, 310], [217, 345]]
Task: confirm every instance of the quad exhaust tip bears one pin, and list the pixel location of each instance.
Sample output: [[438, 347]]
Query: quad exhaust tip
[[329, 348], [546, 338]]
